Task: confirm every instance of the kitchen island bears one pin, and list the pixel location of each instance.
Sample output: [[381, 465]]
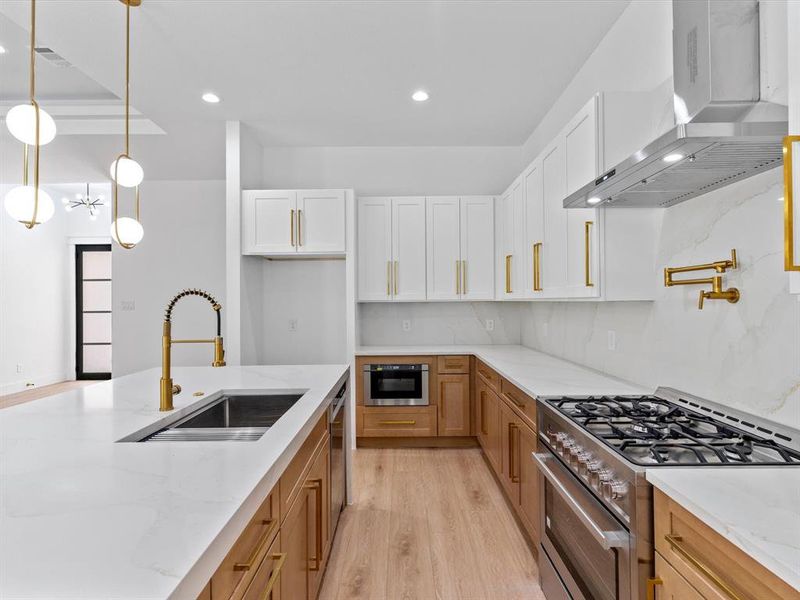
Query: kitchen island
[[87, 516]]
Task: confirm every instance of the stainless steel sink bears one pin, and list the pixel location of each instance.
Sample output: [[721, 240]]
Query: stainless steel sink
[[232, 417]]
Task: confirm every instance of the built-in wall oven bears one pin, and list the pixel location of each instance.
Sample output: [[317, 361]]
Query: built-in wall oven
[[395, 385]]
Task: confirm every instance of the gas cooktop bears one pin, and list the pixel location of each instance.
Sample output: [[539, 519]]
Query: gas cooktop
[[652, 431]]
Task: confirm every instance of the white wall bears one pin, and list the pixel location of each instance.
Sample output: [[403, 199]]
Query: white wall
[[183, 247]]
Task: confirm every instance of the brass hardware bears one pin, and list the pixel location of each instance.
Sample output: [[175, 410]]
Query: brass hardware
[[483, 413], [675, 542], [508, 273], [299, 227], [198, 394], [537, 267], [168, 390], [316, 485], [396, 278], [126, 154], [732, 295], [651, 587], [291, 227], [441, 399], [587, 231], [485, 374], [788, 204], [280, 558], [463, 277], [260, 547], [458, 277], [409, 422], [511, 397], [515, 477], [388, 278], [511, 470]]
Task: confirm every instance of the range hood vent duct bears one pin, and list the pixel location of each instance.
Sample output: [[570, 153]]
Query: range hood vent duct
[[724, 132]]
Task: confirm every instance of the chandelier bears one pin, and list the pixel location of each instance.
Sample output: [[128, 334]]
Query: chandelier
[[85, 201]]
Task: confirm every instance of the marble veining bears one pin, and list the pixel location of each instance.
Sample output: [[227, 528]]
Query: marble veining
[[757, 509], [83, 516]]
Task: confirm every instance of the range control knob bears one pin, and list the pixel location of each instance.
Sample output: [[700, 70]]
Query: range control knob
[[618, 489], [584, 458]]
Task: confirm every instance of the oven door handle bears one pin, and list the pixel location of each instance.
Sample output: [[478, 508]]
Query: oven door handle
[[607, 539]]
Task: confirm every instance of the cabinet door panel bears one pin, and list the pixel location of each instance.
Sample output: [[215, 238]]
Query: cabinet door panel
[[442, 220], [374, 248], [673, 586], [492, 422], [294, 542], [528, 483], [477, 247], [509, 452], [554, 250], [408, 248], [534, 227], [583, 229], [318, 485], [454, 412], [267, 221], [321, 221], [581, 147], [512, 259]]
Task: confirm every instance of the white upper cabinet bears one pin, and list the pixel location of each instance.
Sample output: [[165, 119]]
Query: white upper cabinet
[[391, 249], [554, 249], [792, 177], [293, 223], [460, 236], [374, 249], [408, 248], [511, 257], [477, 248], [534, 229]]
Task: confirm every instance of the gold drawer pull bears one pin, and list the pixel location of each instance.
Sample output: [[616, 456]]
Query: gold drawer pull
[[508, 274], [280, 558], [485, 374], [675, 541], [483, 413], [788, 203], [587, 232], [316, 485], [511, 462], [511, 397], [651, 587], [537, 267], [262, 544], [458, 277], [388, 278], [409, 422]]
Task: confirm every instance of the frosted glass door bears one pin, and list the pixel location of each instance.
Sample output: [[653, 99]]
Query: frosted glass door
[[93, 316]]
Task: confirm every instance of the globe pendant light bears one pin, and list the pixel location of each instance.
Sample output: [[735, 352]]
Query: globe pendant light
[[126, 172], [33, 127]]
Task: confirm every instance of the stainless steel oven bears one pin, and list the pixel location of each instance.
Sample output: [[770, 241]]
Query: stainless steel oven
[[587, 552], [396, 385]]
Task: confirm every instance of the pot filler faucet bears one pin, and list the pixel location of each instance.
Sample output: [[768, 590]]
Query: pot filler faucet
[[168, 390]]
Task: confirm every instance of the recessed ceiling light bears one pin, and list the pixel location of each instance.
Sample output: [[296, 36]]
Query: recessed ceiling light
[[2, 50], [594, 200], [671, 158], [420, 96], [211, 98]]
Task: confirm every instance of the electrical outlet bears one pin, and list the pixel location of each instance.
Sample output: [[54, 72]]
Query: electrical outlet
[[406, 324], [292, 324], [19, 369], [612, 339], [489, 324], [128, 305]]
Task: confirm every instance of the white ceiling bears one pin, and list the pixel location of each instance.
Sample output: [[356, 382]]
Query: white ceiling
[[313, 72]]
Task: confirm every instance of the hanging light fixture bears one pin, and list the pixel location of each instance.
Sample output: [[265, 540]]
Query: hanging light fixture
[[126, 172], [32, 126], [91, 204]]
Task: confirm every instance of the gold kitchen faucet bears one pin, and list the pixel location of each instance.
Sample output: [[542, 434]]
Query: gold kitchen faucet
[[168, 390], [732, 295]]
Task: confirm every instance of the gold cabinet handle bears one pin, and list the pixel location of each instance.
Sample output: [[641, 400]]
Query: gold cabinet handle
[[463, 277], [316, 485], [408, 422], [299, 227], [396, 277], [262, 543], [388, 278], [280, 558], [291, 226], [508, 273], [587, 230], [676, 542], [483, 413], [441, 399], [511, 397], [458, 277], [651, 587], [511, 462], [788, 203], [537, 267]]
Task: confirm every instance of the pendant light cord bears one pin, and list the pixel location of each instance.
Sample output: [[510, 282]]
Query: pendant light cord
[[33, 45], [127, 74]]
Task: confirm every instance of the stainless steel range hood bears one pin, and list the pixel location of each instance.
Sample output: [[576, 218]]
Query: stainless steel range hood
[[724, 133]]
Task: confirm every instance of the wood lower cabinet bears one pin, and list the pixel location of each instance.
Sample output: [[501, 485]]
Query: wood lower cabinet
[[528, 483], [295, 537], [266, 584], [318, 517], [454, 405], [509, 448], [670, 585], [488, 423]]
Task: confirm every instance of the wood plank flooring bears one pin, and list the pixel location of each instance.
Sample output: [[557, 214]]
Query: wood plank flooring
[[41, 392], [428, 524]]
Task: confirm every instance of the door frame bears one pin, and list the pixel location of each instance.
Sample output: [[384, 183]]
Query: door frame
[[79, 251]]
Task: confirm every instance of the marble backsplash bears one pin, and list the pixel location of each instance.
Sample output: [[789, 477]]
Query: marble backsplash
[[744, 355], [439, 323]]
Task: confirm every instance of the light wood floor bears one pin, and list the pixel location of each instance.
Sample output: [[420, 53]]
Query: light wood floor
[[428, 525], [41, 392]]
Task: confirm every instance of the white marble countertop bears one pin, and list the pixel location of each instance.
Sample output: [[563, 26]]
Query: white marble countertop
[[755, 508], [535, 373], [82, 516]]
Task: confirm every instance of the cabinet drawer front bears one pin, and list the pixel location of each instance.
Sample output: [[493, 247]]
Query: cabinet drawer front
[[453, 364], [488, 374], [411, 422], [266, 584], [709, 562], [291, 481], [672, 585], [238, 568], [523, 403]]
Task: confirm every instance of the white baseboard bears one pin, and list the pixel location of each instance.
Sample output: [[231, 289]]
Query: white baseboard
[[12, 387]]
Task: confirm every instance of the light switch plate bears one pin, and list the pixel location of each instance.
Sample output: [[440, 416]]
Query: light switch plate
[[292, 324], [489, 324], [128, 305], [406, 324]]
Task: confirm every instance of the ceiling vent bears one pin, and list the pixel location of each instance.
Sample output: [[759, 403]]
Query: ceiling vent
[[52, 57]]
